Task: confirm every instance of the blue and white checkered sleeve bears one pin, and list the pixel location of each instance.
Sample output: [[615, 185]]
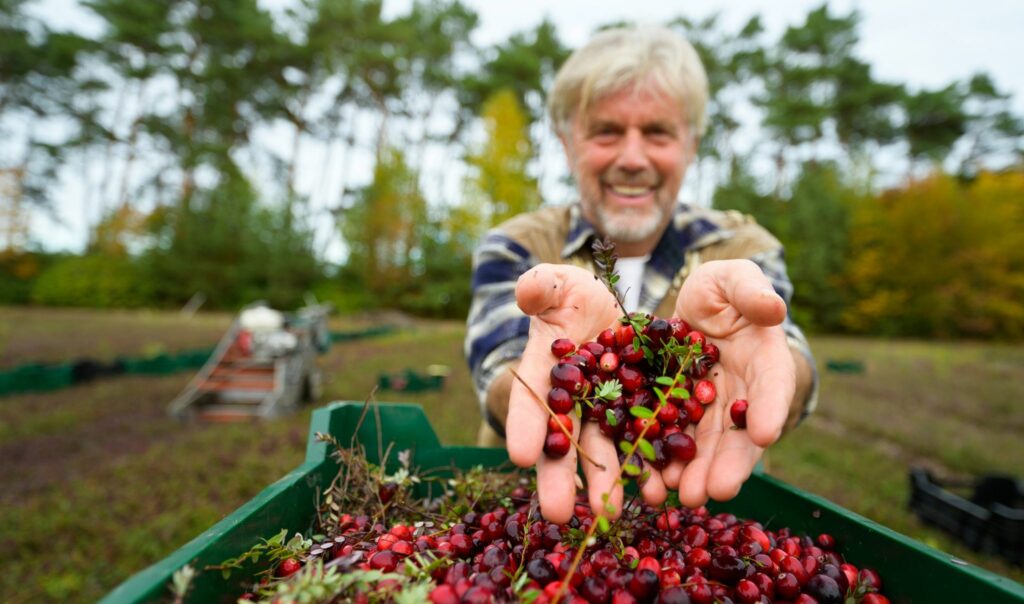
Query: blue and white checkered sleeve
[[496, 330], [773, 263]]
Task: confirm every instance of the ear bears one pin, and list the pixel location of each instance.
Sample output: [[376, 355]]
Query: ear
[[691, 149], [566, 139]]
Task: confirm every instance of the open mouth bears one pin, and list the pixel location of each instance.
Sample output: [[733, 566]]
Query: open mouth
[[630, 190]]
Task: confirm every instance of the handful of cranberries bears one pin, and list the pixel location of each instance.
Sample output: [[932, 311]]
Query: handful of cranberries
[[643, 382]]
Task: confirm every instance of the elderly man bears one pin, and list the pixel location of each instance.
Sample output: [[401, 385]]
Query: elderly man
[[629, 108]]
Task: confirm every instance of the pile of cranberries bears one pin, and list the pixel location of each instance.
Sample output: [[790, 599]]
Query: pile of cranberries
[[648, 384], [662, 556]]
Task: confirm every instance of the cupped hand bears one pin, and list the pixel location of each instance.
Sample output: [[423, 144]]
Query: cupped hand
[[563, 301], [734, 305]]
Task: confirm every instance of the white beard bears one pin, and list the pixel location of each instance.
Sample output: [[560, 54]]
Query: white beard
[[629, 225]]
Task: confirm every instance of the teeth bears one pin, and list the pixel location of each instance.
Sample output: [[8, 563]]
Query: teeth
[[629, 191]]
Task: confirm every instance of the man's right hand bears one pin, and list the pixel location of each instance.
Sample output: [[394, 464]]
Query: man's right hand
[[563, 302]]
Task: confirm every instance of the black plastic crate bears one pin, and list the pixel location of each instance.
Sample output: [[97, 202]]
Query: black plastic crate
[[991, 521]]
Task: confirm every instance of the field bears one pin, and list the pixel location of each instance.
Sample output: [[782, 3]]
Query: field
[[97, 481]]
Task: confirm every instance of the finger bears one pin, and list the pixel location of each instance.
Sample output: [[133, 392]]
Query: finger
[[671, 474], [556, 484], [717, 285], [693, 490], [770, 394], [732, 464], [526, 426], [653, 489], [601, 482], [540, 288]]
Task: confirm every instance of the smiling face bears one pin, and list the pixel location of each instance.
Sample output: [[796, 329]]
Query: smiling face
[[629, 153]]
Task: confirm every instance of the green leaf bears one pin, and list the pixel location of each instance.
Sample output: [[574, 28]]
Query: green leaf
[[682, 393], [631, 469], [641, 412], [609, 390], [646, 449], [610, 417], [664, 380], [602, 523], [609, 508], [624, 447]]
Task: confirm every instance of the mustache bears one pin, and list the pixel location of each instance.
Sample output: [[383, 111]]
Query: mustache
[[620, 177]]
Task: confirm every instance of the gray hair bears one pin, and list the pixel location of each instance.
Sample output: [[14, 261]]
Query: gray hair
[[647, 57]]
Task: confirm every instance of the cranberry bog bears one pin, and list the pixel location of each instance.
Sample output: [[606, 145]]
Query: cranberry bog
[[99, 483]]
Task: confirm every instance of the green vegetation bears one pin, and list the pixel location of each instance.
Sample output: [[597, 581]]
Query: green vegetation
[[99, 482], [165, 115]]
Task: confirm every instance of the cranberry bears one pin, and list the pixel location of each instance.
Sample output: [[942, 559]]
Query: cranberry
[[874, 598], [541, 571], [630, 354], [704, 391], [644, 584], [824, 589], [556, 444], [385, 560], [559, 421], [568, 377], [444, 594], [594, 590], [681, 446], [631, 379], [869, 577], [624, 335], [738, 413], [562, 347], [560, 400], [747, 592], [288, 567], [659, 331], [608, 362], [606, 338], [674, 595]]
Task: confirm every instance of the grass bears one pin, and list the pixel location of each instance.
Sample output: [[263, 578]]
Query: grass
[[99, 483]]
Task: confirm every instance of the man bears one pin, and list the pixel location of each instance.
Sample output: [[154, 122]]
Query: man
[[629, 108]]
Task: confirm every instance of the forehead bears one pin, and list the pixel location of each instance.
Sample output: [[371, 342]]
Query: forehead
[[634, 105]]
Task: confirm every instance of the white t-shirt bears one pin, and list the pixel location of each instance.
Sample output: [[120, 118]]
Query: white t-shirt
[[631, 278]]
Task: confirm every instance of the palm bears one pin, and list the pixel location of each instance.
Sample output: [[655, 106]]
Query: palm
[[730, 303]]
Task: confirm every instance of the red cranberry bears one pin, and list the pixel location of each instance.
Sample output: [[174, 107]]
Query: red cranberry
[[568, 377], [681, 446], [609, 362], [874, 598], [704, 391], [559, 421], [606, 338], [556, 444], [288, 567], [747, 592], [562, 347], [385, 561], [738, 413], [560, 400], [541, 571], [444, 594]]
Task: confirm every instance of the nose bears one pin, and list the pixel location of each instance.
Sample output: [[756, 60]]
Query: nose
[[633, 155]]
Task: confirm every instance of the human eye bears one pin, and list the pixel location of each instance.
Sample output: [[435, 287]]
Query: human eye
[[604, 132]]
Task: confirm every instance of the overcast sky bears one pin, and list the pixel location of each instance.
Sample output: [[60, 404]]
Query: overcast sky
[[920, 43]]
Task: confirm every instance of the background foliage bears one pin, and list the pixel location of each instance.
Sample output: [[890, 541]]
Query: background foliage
[[187, 122]]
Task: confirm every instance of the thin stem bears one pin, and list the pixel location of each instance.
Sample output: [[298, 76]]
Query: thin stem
[[544, 404]]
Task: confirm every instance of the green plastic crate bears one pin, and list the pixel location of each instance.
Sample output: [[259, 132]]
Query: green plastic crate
[[911, 572]]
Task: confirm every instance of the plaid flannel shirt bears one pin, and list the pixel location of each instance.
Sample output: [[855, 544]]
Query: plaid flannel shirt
[[497, 329]]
